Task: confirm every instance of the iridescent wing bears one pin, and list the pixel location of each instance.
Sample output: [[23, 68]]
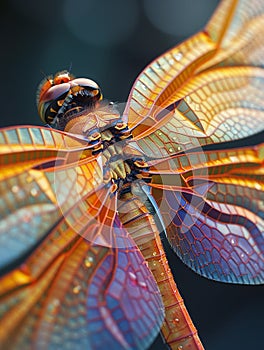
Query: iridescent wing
[[224, 104], [184, 99], [236, 28], [212, 207], [34, 195], [206, 91], [69, 270]]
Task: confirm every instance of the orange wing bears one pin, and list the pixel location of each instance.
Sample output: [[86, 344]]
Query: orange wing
[[67, 265], [183, 99]]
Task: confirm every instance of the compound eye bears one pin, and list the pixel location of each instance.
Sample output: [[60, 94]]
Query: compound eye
[[50, 90], [89, 85], [85, 82], [50, 101], [54, 92]]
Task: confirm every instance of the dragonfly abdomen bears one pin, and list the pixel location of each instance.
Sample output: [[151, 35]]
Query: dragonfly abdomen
[[178, 329]]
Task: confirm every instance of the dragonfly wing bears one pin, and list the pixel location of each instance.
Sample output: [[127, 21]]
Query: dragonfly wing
[[43, 173], [225, 104], [28, 143], [163, 76], [238, 35], [85, 295], [174, 107], [33, 201], [212, 206]]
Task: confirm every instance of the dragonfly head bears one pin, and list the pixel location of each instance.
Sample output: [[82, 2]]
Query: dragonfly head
[[63, 93]]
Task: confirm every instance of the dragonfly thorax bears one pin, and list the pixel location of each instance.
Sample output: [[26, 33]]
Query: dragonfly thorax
[[107, 135], [121, 168]]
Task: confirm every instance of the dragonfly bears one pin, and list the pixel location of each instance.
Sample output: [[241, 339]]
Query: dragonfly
[[85, 200]]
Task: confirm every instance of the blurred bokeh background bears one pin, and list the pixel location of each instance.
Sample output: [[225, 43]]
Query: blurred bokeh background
[[111, 42]]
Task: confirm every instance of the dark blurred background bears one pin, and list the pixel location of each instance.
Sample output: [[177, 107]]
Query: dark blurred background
[[111, 42]]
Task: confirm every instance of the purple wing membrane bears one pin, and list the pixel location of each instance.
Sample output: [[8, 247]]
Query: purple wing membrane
[[218, 243], [99, 298]]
